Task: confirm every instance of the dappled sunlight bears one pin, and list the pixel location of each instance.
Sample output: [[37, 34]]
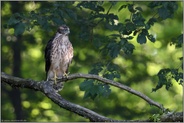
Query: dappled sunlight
[[49, 113], [157, 44], [30, 6], [5, 49], [82, 55], [168, 98], [34, 53], [171, 48], [10, 110], [141, 105], [157, 28], [178, 89], [153, 68], [122, 62], [11, 31], [5, 10], [26, 104], [45, 105], [35, 112], [161, 96]]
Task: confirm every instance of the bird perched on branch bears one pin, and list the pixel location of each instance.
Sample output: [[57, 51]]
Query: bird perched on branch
[[58, 55]]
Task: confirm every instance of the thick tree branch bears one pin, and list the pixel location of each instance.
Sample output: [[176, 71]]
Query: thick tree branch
[[46, 87], [172, 117]]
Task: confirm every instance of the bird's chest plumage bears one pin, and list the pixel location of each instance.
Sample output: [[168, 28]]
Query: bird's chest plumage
[[59, 52]]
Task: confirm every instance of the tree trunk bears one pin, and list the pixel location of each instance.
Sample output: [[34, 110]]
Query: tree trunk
[[15, 93]]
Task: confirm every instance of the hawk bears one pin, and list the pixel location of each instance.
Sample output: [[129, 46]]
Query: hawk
[[58, 55]]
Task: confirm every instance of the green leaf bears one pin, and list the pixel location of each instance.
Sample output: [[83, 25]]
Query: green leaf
[[177, 41], [113, 49], [151, 21], [113, 2], [71, 14], [106, 90], [111, 26], [163, 13], [111, 75], [129, 37], [138, 20], [145, 31], [86, 85], [154, 4], [139, 8], [97, 67], [93, 89], [115, 35], [165, 76], [135, 32], [113, 16], [128, 48], [13, 21], [122, 7], [141, 38], [57, 21], [131, 8], [123, 41], [130, 26], [151, 38], [98, 42], [100, 8], [164, 9], [92, 5], [19, 29]]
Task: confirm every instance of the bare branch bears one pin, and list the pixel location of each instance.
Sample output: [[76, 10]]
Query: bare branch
[[116, 84]]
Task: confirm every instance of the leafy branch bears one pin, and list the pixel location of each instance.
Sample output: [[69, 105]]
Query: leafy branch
[[116, 84]]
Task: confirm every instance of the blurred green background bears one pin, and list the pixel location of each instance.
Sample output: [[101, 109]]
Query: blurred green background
[[23, 56]]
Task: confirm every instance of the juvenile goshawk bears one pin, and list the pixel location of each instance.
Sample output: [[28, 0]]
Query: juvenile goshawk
[[58, 55]]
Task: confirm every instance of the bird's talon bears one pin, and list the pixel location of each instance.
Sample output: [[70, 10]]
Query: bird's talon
[[66, 74]]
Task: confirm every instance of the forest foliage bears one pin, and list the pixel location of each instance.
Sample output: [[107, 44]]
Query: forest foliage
[[136, 43]]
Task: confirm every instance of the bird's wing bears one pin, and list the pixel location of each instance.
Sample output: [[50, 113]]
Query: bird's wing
[[47, 55]]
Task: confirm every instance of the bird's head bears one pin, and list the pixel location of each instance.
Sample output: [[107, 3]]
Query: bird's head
[[64, 30]]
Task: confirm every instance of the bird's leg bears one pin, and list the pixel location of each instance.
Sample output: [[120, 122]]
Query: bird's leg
[[55, 77]]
